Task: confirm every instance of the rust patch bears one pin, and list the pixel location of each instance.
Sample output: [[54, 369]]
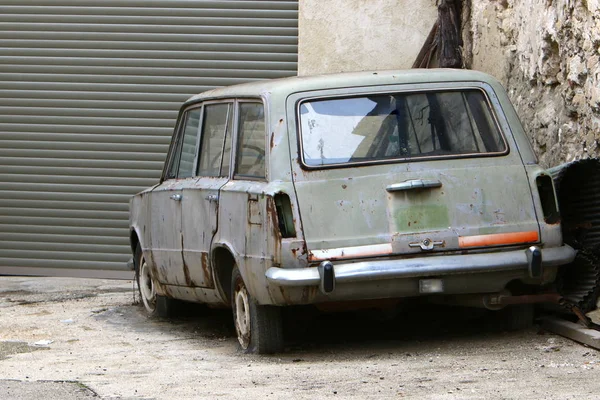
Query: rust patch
[[186, 275], [186, 270], [308, 294], [166, 291], [208, 279], [272, 215], [344, 186], [284, 295]]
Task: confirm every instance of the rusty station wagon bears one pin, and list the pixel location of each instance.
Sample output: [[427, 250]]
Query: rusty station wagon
[[346, 187]]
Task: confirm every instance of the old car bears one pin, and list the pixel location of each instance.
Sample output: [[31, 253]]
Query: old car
[[343, 189]]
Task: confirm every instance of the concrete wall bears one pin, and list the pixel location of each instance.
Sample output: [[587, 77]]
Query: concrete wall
[[547, 55], [359, 35]]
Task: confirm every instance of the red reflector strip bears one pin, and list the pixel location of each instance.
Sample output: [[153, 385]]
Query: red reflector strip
[[498, 239]]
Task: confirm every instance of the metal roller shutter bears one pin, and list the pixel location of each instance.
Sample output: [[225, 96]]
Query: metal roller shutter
[[89, 93]]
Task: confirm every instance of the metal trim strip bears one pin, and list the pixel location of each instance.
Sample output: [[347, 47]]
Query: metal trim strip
[[498, 239], [420, 267], [350, 252]]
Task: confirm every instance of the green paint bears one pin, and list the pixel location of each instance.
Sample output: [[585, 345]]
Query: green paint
[[422, 217], [490, 230]]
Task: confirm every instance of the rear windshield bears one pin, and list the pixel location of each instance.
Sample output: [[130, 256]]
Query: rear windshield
[[398, 126]]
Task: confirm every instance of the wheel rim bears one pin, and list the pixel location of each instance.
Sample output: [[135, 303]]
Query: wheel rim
[[147, 286], [242, 316]]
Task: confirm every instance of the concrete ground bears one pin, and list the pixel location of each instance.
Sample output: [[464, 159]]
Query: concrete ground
[[66, 338]]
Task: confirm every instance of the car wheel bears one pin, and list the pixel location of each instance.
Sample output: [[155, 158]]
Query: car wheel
[[259, 328], [154, 304]]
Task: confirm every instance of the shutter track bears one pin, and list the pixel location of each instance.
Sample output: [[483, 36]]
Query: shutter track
[[89, 94]]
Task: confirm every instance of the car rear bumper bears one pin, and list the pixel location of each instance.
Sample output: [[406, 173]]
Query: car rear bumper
[[421, 267]]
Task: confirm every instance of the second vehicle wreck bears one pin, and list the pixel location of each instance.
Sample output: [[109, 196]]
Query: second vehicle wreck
[[360, 186]]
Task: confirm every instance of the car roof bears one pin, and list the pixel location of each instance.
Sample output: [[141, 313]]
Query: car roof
[[285, 86]]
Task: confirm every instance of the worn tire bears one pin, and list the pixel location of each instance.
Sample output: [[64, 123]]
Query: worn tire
[[517, 317], [154, 304], [259, 328]]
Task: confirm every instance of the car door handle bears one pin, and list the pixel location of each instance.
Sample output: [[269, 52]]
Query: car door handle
[[176, 197], [414, 184], [212, 197]]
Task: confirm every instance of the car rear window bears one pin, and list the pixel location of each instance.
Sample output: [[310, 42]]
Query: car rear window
[[398, 126]]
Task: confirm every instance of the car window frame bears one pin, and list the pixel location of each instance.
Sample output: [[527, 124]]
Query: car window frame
[[232, 102], [366, 91], [175, 138], [180, 131], [237, 142]]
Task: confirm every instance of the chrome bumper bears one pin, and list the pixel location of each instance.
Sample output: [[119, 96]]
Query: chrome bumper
[[423, 266]]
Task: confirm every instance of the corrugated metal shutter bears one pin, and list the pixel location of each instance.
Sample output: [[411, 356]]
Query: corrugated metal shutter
[[89, 93]]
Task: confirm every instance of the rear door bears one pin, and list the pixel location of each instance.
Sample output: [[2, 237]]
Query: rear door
[[402, 172], [201, 195], [166, 203]]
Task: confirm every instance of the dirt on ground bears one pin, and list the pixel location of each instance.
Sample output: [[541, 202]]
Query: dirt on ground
[[79, 339]]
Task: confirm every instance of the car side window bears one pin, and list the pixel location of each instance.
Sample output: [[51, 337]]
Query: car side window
[[188, 126], [215, 131], [187, 151], [250, 157]]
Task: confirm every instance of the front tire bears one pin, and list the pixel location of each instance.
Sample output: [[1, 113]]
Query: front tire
[[258, 328], [154, 304]]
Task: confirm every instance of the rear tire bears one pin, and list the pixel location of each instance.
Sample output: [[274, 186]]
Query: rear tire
[[258, 328], [154, 304]]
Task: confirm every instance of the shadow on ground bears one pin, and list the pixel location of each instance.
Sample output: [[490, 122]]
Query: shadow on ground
[[308, 330]]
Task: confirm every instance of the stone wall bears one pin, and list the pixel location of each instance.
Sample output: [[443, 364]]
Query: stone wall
[[546, 52], [360, 35]]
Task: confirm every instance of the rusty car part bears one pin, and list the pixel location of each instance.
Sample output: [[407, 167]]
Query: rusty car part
[[585, 320], [420, 267], [503, 300]]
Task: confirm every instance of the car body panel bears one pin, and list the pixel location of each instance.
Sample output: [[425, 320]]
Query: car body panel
[[484, 207], [200, 205], [362, 211]]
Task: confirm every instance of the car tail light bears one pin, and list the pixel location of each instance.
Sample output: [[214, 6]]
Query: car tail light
[[548, 199], [285, 216]]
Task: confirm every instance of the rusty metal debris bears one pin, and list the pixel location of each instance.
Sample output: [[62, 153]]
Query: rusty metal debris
[[580, 314], [443, 45]]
